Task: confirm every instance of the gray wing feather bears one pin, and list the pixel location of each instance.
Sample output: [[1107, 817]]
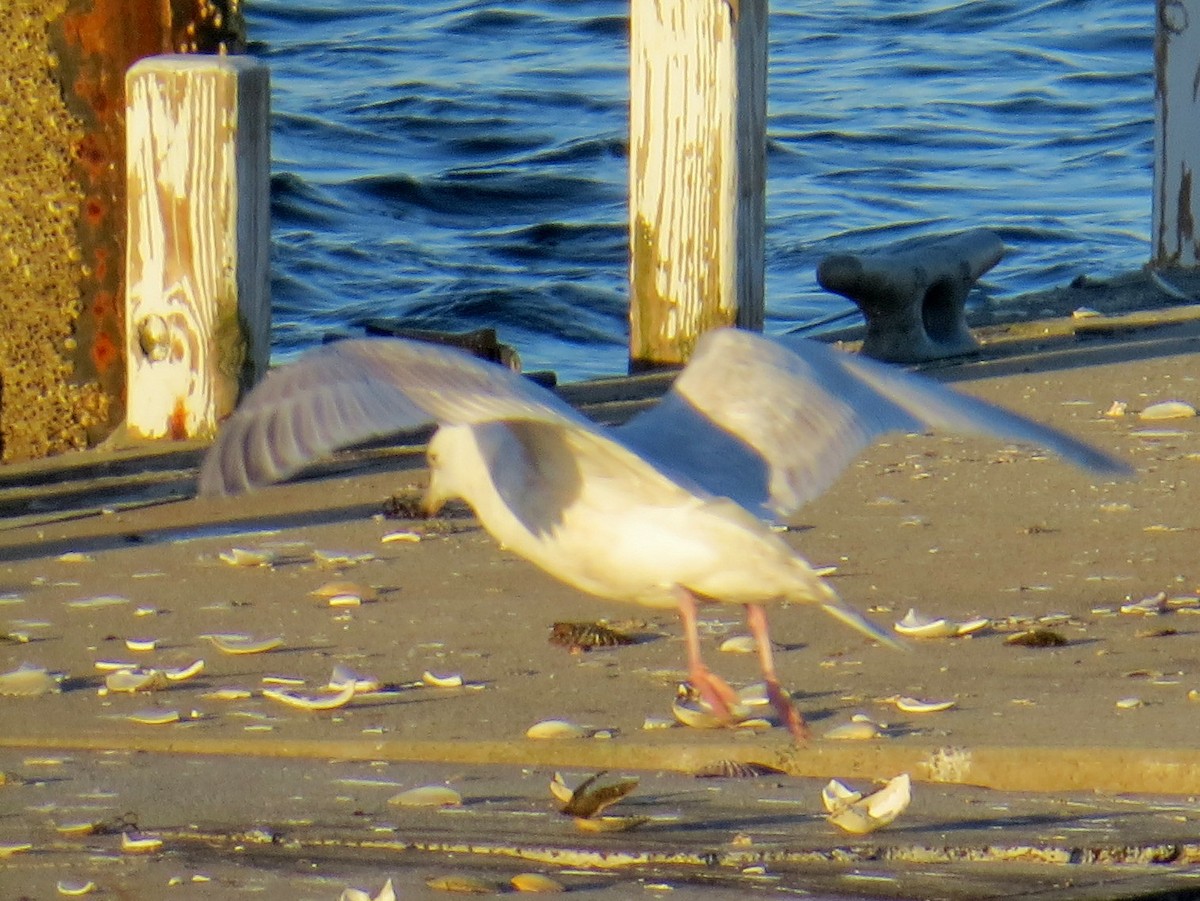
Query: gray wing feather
[[772, 427], [355, 390]]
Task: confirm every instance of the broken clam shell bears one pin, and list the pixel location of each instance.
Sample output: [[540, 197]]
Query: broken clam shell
[[858, 730], [131, 680], [876, 810], [154, 716], [312, 702], [72, 888], [133, 843], [917, 625], [28, 682], [342, 676], [555, 729], [1168, 409], [740, 644], [837, 796], [241, 643], [240, 556], [387, 893], [464, 884], [536, 882], [609, 824], [592, 797], [435, 680], [427, 796], [331, 591], [916, 705]]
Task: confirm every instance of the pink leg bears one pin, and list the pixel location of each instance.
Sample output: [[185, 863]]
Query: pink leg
[[756, 621], [713, 689]]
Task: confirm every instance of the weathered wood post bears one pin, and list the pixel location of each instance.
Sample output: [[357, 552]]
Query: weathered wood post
[[697, 170], [1176, 205], [197, 312]]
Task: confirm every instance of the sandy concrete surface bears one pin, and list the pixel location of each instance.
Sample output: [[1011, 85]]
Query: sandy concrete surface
[[1064, 772]]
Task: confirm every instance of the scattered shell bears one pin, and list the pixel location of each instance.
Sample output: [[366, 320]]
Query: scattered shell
[[292, 681], [184, 673], [1149, 606], [104, 600], [427, 796], [1168, 409], [131, 680], [141, 644], [340, 559], [345, 600], [15, 637], [241, 643], [837, 796], [387, 893], [402, 535], [342, 588], [467, 885], [591, 797], [7, 849], [858, 730], [559, 788], [133, 843], [917, 625], [915, 705], [75, 887], [154, 716], [700, 716], [1130, 703], [585, 636], [83, 827], [740, 644], [1037, 638], [876, 810], [609, 824], [1117, 410], [652, 723], [553, 729], [733, 769], [311, 702], [227, 694], [450, 680], [28, 682], [536, 882], [342, 676], [240, 556], [76, 557]]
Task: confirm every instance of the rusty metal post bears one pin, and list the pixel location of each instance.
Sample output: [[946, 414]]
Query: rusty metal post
[[62, 169], [1176, 203]]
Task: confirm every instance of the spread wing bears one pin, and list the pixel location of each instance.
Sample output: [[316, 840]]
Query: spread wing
[[772, 426], [351, 391]]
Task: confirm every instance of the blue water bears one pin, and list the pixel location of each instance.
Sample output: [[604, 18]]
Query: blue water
[[460, 164]]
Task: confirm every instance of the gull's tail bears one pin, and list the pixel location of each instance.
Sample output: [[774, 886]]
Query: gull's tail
[[853, 618]]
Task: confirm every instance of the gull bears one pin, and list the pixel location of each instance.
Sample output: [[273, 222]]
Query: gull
[[674, 509]]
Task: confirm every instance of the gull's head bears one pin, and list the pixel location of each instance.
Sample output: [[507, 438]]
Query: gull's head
[[442, 454]]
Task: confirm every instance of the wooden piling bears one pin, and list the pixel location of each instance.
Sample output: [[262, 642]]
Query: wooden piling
[[62, 213], [197, 312], [1176, 203], [697, 169]]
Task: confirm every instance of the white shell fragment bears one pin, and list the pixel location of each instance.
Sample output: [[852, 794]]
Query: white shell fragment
[[858, 730], [342, 593], [876, 810], [559, 789], [536, 882], [241, 643], [342, 676], [240, 556], [1168, 409], [408, 537], [837, 796], [917, 625], [449, 680], [131, 680], [916, 705], [184, 673], [312, 702], [74, 888], [427, 796], [28, 682], [141, 644], [132, 843], [740, 644], [154, 716], [104, 600], [1130, 703], [387, 893], [556, 729]]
